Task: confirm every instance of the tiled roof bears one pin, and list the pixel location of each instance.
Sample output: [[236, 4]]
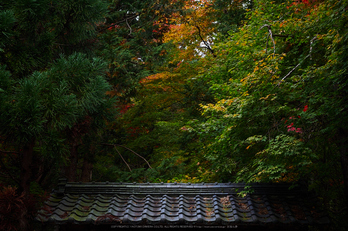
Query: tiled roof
[[190, 204]]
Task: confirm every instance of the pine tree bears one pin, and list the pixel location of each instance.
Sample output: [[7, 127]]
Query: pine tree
[[53, 90]]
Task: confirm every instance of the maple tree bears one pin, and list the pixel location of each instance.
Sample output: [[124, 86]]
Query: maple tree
[[166, 100], [280, 109], [132, 45]]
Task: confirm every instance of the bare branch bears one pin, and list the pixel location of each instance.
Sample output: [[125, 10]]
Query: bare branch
[[267, 43], [205, 42], [116, 23], [130, 29], [309, 55], [293, 69], [311, 46], [123, 159], [119, 145], [135, 154], [269, 35]]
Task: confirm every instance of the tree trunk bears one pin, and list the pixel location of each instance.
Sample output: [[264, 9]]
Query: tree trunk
[[343, 135], [26, 164], [344, 164], [25, 178], [86, 175], [70, 171]]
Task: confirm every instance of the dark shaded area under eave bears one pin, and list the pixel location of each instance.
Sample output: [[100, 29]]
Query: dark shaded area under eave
[[108, 206]]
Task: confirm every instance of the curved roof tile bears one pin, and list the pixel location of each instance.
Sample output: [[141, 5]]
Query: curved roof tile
[[193, 204]]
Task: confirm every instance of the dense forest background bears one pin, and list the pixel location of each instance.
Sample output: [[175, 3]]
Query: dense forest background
[[172, 91]]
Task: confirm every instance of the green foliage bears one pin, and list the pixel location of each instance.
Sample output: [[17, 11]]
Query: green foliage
[[265, 100], [53, 87], [33, 33], [130, 44], [7, 20], [280, 90], [55, 99], [230, 15], [140, 45]]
